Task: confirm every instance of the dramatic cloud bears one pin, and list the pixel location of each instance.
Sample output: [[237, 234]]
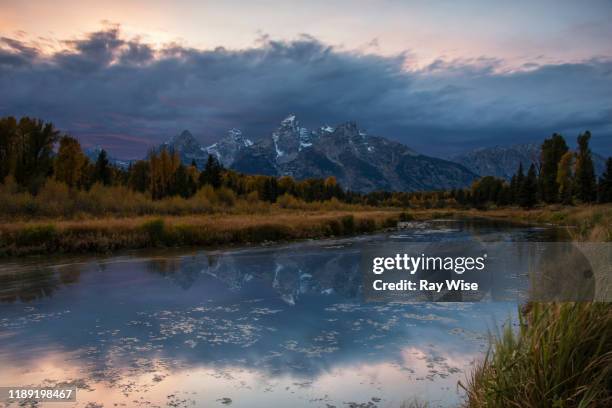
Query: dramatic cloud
[[126, 95]]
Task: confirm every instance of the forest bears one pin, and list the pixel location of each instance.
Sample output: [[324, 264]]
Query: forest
[[46, 173]]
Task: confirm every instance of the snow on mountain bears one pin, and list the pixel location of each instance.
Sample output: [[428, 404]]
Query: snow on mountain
[[359, 161], [227, 148]]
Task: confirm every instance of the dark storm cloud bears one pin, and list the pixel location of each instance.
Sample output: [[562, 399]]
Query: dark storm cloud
[[104, 84], [15, 52]]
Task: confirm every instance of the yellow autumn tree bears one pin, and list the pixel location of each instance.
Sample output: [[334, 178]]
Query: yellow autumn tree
[[163, 166], [565, 177], [69, 162]]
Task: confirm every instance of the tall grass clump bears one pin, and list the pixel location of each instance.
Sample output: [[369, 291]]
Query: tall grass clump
[[36, 235], [156, 230], [561, 356]]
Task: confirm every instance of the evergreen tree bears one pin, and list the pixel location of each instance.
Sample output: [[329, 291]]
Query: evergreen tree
[[605, 183], [552, 151], [565, 178], [181, 182], [270, 189], [192, 178], [487, 190], [529, 189], [460, 196], [516, 184], [211, 173], [103, 172], [505, 195], [8, 146], [139, 177], [586, 188]]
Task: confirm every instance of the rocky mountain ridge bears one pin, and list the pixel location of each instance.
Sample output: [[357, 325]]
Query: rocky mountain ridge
[[359, 161]]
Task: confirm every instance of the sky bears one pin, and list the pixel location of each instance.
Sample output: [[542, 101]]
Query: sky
[[442, 77]]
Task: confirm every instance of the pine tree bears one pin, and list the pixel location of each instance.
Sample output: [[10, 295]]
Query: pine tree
[[516, 183], [565, 178], [181, 182], [529, 189], [8, 146], [552, 151], [103, 172], [192, 178], [211, 173], [139, 177], [270, 189], [605, 183], [586, 188]]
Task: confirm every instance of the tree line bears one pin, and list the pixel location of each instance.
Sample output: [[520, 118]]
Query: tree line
[[32, 151], [561, 176]]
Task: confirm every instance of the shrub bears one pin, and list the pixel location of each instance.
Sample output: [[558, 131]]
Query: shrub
[[17, 203], [365, 225], [36, 235], [253, 197], [287, 201], [226, 197], [261, 233], [156, 231], [348, 224], [54, 199], [406, 216], [334, 227]]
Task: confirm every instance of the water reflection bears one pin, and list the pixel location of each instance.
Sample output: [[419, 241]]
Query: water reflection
[[256, 327]]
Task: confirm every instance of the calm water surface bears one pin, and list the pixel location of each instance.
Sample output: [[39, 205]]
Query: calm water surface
[[258, 327]]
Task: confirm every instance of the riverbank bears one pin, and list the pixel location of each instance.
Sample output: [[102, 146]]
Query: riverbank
[[561, 354], [112, 233], [105, 235], [582, 223]]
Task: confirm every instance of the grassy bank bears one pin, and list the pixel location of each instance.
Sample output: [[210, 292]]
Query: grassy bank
[[257, 223], [583, 223], [113, 233], [561, 355]]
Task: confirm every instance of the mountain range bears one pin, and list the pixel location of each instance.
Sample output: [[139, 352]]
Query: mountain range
[[359, 161]]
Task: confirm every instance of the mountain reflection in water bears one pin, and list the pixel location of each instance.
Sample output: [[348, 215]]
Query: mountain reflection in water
[[259, 327]]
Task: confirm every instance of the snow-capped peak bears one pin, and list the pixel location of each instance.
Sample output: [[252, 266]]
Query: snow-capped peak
[[234, 133], [289, 120], [279, 152], [236, 136]]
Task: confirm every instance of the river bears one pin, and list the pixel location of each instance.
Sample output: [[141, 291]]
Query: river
[[272, 326]]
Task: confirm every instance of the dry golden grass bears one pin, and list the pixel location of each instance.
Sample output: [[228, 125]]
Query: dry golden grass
[[583, 223], [112, 233], [219, 221], [88, 233], [561, 355]]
